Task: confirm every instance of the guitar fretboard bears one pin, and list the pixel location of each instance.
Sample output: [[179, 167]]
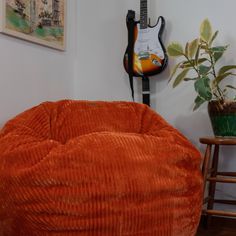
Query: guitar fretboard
[[143, 14]]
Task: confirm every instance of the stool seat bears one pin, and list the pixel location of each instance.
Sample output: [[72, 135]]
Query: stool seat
[[218, 140]]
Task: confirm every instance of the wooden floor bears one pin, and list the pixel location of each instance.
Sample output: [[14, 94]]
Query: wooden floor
[[218, 227]]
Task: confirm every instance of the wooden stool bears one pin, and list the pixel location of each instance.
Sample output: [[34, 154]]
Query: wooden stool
[[211, 174]]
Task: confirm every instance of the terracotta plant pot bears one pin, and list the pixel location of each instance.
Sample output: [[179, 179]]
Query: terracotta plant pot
[[223, 118]]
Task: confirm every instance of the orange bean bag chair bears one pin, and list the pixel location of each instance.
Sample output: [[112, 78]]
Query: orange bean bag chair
[[97, 168]]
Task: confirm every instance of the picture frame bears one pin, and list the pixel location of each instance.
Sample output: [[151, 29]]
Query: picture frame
[[38, 21]]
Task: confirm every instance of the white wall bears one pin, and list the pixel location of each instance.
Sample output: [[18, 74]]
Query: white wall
[[31, 73], [102, 38]]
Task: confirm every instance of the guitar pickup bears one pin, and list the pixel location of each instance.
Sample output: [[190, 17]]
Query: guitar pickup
[[143, 56]]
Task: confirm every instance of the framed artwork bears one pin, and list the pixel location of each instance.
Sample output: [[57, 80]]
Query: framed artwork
[[38, 21]]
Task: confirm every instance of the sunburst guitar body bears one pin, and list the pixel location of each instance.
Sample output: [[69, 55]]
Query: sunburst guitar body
[[149, 54]]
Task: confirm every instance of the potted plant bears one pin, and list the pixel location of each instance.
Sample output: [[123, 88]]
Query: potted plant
[[199, 65]]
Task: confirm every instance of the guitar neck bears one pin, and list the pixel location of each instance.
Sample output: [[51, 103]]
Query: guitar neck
[[143, 14]]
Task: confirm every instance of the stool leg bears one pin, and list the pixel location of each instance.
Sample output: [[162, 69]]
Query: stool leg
[[212, 185], [205, 170], [205, 166]]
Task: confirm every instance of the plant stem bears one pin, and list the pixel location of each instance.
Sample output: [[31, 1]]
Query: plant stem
[[221, 95], [192, 64], [213, 65]]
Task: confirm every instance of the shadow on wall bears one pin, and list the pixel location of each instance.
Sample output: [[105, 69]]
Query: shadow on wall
[[194, 126], [227, 162], [158, 83]]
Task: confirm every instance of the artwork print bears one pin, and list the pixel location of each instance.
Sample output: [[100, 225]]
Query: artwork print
[[39, 21]]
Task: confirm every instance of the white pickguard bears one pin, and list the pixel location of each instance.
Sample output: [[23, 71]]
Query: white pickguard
[[148, 42]]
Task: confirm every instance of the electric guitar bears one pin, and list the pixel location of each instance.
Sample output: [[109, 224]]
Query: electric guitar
[[149, 54]]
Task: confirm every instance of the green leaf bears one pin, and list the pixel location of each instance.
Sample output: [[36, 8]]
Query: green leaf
[[187, 49], [218, 52], [206, 30], [198, 102], [193, 46], [175, 49], [180, 77], [173, 71], [192, 62], [226, 68], [217, 56], [219, 49], [187, 64], [202, 87], [219, 78], [213, 37], [201, 60], [197, 54], [204, 69]]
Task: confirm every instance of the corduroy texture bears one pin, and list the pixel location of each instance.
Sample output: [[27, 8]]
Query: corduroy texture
[[97, 168]]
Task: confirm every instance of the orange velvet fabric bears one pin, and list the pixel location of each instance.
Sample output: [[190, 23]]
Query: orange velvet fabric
[[97, 168]]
